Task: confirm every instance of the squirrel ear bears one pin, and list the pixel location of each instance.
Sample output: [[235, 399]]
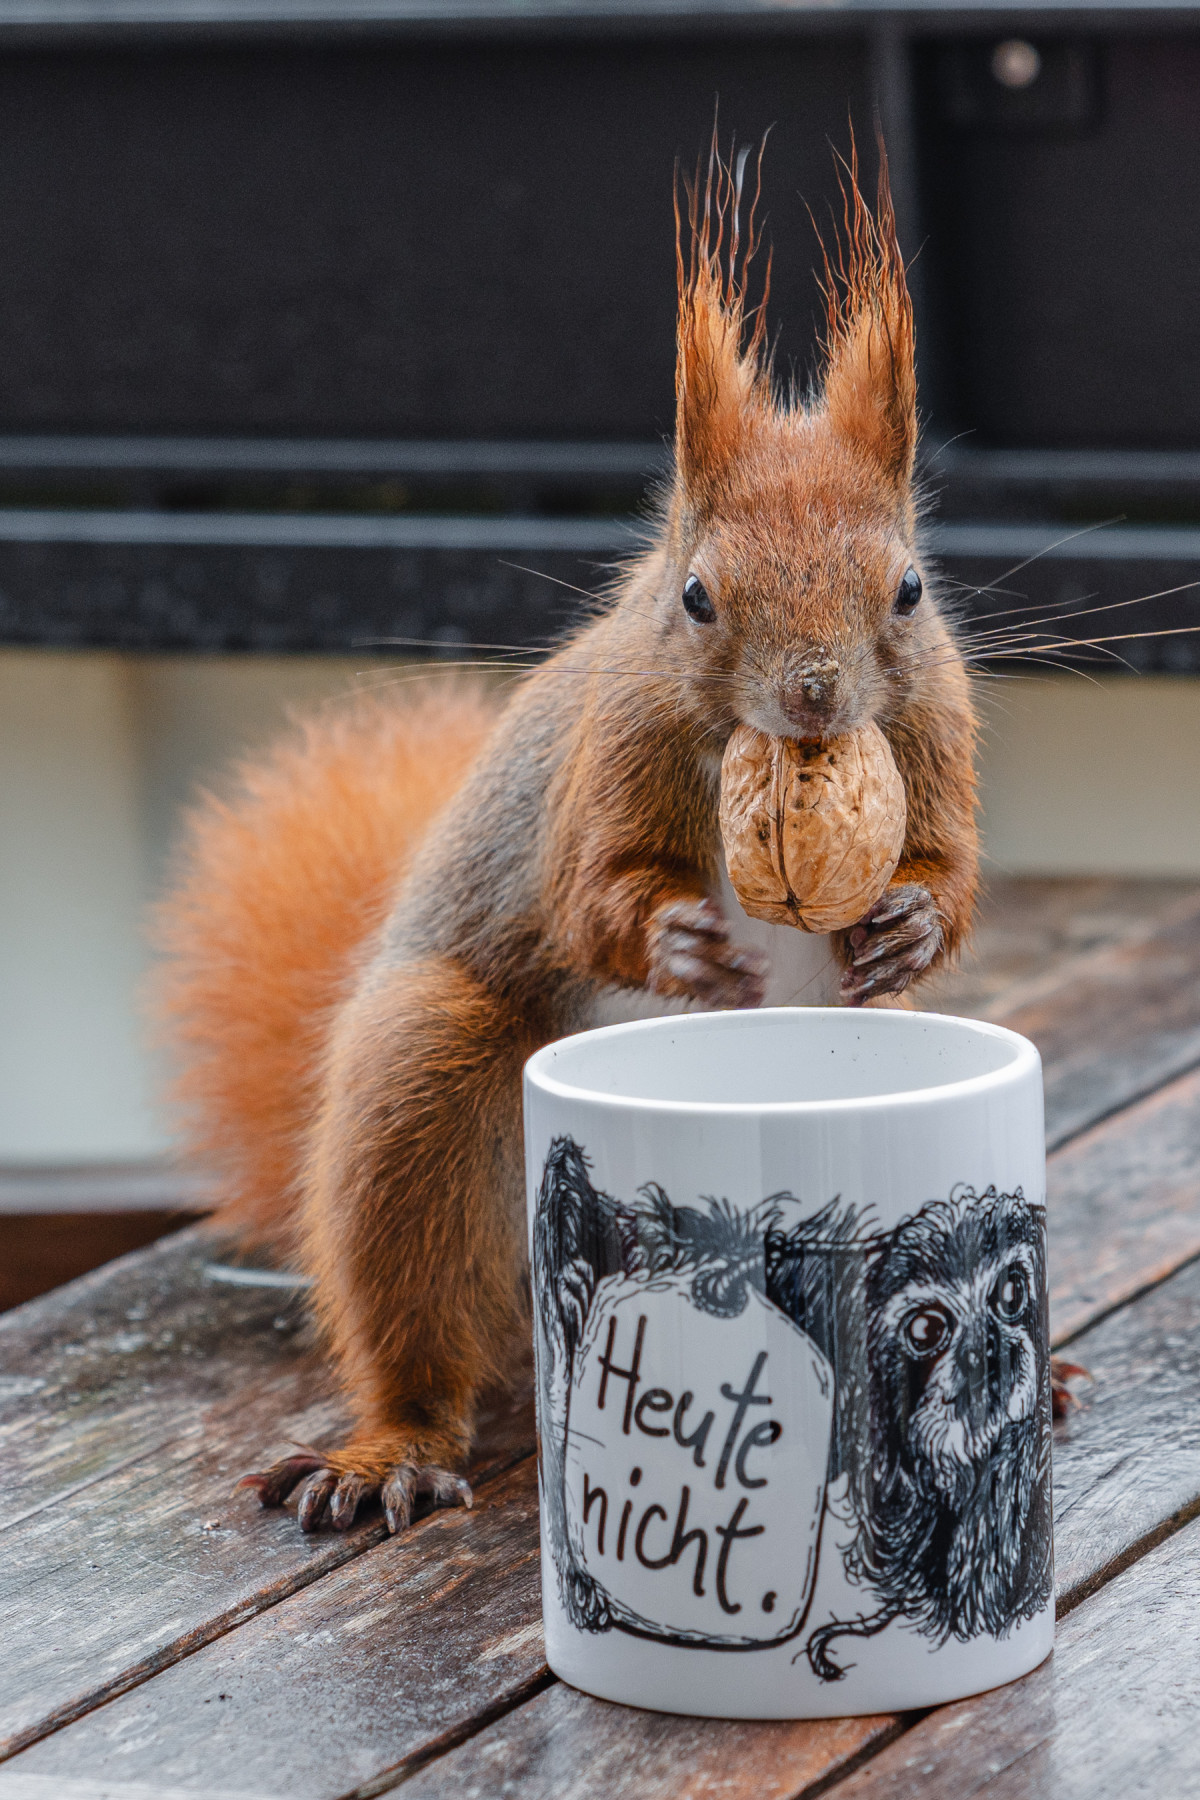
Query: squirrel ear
[[870, 380], [720, 383], [714, 387]]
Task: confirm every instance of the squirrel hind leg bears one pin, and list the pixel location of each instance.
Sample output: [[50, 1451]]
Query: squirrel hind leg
[[414, 1216]]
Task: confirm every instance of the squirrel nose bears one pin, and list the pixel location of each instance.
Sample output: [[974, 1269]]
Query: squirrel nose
[[810, 693]]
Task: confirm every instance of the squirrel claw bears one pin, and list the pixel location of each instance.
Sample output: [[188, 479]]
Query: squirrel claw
[[315, 1496], [273, 1485], [329, 1496], [691, 956], [892, 944], [343, 1502], [406, 1483]]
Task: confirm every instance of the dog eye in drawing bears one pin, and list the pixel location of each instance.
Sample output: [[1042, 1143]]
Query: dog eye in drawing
[[927, 1331], [1010, 1294]]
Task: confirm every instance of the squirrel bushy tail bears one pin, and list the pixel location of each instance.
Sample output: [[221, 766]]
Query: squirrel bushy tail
[[279, 890]]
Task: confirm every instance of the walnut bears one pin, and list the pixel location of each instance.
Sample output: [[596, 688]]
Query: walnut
[[813, 830]]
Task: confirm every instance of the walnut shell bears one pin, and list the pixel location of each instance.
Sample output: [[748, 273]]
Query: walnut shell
[[813, 830]]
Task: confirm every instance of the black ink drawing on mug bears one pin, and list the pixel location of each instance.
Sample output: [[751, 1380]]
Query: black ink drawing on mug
[[941, 1435]]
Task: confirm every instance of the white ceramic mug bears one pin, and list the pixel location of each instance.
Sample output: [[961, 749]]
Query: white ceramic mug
[[793, 1360]]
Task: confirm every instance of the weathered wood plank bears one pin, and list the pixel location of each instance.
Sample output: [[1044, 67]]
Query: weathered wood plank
[[68, 1787], [350, 1684], [565, 1745], [124, 1546], [1113, 1714], [1030, 925], [1124, 1205], [1124, 1467], [1115, 1023], [380, 1662], [131, 1354], [1128, 1464], [93, 1371], [132, 1570], [169, 1438], [1126, 1192]]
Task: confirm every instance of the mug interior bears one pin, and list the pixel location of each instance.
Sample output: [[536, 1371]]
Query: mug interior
[[791, 1056]]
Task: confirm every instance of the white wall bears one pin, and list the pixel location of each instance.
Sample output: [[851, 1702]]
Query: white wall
[[96, 753], [194, 714], [1083, 777], [73, 1077]]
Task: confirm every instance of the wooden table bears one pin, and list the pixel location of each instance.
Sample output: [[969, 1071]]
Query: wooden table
[[161, 1637]]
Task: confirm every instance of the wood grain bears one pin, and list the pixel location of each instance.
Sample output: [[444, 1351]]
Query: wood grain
[[129, 1355], [380, 1662], [566, 1745], [132, 1570], [1113, 1714], [1031, 925], [1114, 1024], [118, 1358], [130, 1399], [1125, 1467], [1124, 1205], [1128, 1464], [150, 1416], [124, 1546]]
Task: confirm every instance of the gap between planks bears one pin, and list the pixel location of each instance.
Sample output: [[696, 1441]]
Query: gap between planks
[[1149, 1149], [1127, 1480], [175, 1571], [1112, 1714], [1113, 1024], [382, 1660], [321, 1556]]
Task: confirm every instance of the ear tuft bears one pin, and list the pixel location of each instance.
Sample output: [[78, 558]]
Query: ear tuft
[[870, 379], [721, 382]]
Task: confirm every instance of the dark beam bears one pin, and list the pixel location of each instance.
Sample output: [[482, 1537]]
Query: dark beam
[[339, 582]]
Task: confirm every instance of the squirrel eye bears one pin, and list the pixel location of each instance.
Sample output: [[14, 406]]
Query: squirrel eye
[[908, 593], [927, 1331], [696, 603], [1010, 1294]]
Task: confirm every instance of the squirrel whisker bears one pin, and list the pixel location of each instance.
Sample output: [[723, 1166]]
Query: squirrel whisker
[[1069, 538], [1073, 612]]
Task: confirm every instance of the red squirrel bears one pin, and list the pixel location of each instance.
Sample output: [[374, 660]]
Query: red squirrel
[[397, 908]]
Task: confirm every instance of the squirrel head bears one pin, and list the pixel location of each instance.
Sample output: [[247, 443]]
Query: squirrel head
[[793, 582]]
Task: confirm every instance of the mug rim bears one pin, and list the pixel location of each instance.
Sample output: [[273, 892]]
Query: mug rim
[[1025, 1061]]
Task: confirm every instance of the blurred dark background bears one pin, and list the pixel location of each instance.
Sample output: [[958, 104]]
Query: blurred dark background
[[401, 239], [471, 237], [380, 265]]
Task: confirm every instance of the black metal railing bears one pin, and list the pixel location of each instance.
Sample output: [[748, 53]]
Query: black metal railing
[[327, 323]]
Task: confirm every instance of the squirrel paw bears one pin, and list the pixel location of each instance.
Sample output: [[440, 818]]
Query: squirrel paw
[[892, 944], [691, 957], [335, 1493]]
